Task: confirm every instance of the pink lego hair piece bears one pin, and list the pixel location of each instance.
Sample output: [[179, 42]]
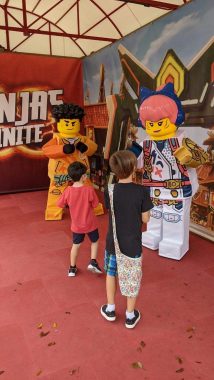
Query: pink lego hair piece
[[158, 107]]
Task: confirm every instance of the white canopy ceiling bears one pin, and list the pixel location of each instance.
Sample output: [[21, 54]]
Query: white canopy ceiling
[[73, 28]]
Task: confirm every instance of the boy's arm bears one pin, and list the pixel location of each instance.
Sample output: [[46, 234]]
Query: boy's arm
[[95, 200], [147, 205], [145, 216], [106, 199], [140, 158], [62, 201]]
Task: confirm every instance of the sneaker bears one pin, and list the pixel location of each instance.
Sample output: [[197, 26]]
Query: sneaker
[[131, 323], [72, 271], [94, 267], [109, 315]]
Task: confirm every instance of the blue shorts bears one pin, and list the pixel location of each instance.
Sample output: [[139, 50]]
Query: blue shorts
[[93, 236], [110, 264]]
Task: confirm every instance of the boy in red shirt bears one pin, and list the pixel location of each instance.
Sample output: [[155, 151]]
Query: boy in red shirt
[[81, 200]]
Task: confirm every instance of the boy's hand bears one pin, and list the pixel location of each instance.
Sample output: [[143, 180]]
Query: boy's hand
[[135, 148], [81, 147], [68, 148]]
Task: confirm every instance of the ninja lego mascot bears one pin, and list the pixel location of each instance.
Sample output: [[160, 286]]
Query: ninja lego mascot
[[66, 146], [168, 160]]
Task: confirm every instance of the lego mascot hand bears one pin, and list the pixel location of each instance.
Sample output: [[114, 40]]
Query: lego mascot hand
[[190, 154], [81, 147], [68, 148]]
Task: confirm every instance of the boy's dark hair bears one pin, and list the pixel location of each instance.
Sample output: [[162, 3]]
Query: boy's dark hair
[[123, 163], [76, 170], [67, 111]]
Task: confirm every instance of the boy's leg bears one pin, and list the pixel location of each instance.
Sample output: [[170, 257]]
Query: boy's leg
[[108, 310], [132, 315], [131, 301], [94, 250], [77, 240], [111, 287], [74, 254], [94, 238]]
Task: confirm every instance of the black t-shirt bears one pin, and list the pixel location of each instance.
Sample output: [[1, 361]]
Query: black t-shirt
[[130, 200]]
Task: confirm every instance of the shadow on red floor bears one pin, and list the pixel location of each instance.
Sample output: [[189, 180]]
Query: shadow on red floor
[[51, 327]]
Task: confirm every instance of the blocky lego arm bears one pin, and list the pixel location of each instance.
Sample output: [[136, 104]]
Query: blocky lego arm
[[53, 150], [91, 145], [190, 154]]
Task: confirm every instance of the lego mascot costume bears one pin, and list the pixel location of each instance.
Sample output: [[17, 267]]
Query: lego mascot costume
[[168, 160], [66, 146]]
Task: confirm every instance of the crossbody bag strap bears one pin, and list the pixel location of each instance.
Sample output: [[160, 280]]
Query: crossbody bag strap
[[110, 191]]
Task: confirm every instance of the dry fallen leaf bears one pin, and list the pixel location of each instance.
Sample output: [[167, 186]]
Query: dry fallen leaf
[[137, 365], [1, 372], [191, 329], [180, 370], [39, 373], [54, 325], [73, 371], [40, 325], [42, 334], [51, 344], [180, 361]]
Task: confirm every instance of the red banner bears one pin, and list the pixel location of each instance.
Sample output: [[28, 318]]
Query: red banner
[[29, 86]]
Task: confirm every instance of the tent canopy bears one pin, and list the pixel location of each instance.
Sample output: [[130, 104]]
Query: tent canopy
[[73, 28]]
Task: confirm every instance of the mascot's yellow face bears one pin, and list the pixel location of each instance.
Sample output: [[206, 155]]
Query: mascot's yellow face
[[160, 130], [68, 127]]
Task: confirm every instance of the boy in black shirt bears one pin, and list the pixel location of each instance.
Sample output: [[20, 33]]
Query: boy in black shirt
[[131, 205]]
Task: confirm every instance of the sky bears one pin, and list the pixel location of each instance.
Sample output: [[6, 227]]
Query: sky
[[185, 30]]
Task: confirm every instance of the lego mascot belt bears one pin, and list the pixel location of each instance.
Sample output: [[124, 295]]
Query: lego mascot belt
[[66, 146], [168, 159]]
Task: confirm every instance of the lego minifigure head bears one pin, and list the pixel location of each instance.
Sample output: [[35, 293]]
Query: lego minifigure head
[[68, 127], [68, 117], [160, 112]]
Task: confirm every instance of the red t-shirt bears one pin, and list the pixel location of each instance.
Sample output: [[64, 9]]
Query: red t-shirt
[[81, 201]]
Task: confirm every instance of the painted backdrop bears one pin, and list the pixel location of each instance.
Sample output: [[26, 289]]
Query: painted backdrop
[[178, 48]]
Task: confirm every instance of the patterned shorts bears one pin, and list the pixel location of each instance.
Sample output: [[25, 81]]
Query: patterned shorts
[[110, 264]]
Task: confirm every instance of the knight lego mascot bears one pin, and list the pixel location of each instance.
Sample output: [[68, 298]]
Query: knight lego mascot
[[66, 146], [168, 160]]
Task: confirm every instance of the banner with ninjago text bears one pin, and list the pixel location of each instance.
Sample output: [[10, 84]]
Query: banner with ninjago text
[[29, 86]]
